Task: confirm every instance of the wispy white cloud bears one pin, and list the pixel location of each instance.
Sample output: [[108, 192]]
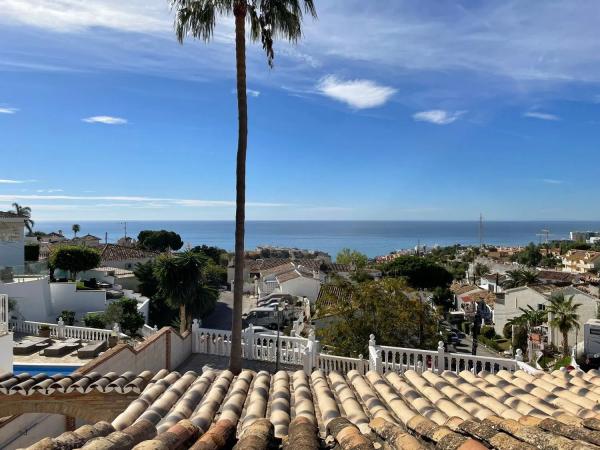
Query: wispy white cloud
[[9, 181], [107, 120], [7, 110], [49, 191], [75, 15], [359, 94], [126, 200], [438, 116], [552, 181], [252, 92], [541, 115]]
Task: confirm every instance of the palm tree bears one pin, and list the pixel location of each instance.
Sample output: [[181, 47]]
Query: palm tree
[[268, 19], [181, 279], [76, 228], [564, 316], [520, 277], [24, 211]]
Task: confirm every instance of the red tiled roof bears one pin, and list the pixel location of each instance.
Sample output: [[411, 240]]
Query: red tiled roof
[[114, 252]]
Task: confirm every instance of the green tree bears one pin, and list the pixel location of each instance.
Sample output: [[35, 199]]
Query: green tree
[[353, 258], [520, 277], [76, 229], [148, 283], [214, 253], [94, 320], [160, 240], [124, 312], [480, 270], [182, 281], [24, 211], [268, 20], [421, 273], [160, 312], [530, 256], [387, 308], [563, 313], [443, 297], [74, 259]]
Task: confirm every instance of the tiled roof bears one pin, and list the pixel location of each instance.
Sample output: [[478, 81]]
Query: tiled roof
[[553, 275], [459, 289], [25, 384], [407, 410], [495, 277], [114, 252], [10, 215]]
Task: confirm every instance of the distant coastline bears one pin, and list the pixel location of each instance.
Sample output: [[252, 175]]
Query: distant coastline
[[371, 237]]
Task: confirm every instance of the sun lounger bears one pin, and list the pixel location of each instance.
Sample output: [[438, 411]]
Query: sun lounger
[[61, 348], [25, 347], [92, 349]]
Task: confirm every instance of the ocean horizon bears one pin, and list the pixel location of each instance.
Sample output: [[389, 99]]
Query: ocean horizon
[[372, 237]]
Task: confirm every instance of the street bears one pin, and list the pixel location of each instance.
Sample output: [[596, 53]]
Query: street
[[220, 318], [467, 344]]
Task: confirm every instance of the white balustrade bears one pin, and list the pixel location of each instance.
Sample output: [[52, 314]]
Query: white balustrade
[[4, 315], [304, 352], [342, 364], [61, 331]]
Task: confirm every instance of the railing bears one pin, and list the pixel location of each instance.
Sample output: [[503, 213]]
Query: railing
[[4, 316], [305, 352], [332, 363], [397, 359], [147, 330], [61, 331]]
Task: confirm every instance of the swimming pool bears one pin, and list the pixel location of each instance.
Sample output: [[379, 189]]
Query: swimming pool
[[48, 369]]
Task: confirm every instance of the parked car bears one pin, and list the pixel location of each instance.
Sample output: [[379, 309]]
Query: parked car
[[262, 316], [453, 338], [261, 330]]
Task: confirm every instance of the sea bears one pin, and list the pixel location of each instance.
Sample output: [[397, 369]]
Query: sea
[[373, 238]]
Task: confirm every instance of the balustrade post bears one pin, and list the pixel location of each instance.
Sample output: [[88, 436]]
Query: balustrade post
[[60, 328], [249, 339], [574, 358], [195, 336], [441, 362], [519, 355], [374, 355]]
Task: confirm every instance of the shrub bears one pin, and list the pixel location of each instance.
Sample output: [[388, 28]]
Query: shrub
[[488, 332], [94, 320], [68, 317], [125, 313]]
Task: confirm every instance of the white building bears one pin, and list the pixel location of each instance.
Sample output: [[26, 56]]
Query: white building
[[12, 241], [580, 261], [537, 297]]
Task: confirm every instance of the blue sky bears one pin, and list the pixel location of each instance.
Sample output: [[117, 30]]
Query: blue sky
[[385, 110]]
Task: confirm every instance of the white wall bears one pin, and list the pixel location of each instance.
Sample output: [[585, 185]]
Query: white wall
[[12, 247], [6, 352], [43, 425], [32, 298], [513, 300], [125, 264], [65, 296], [302, 287]]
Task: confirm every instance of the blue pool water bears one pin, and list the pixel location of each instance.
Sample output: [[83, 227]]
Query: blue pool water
[[34, 369]]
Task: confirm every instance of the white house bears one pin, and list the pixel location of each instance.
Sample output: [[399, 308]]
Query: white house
[[580, 261], [291, 278], [537, 297], [493, 282], [12, 241]]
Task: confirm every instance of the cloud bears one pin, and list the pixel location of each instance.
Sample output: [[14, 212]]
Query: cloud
[[130, 200], [252, 92], [108, 120], [49, 191], [7, 110], [8, 181], [541, 115], [75, 15], [359, 94], [437, 116], [552, 181]]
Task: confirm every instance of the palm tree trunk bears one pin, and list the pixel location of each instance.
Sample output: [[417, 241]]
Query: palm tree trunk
[[182, 319], [235, 361], [565, 343]]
